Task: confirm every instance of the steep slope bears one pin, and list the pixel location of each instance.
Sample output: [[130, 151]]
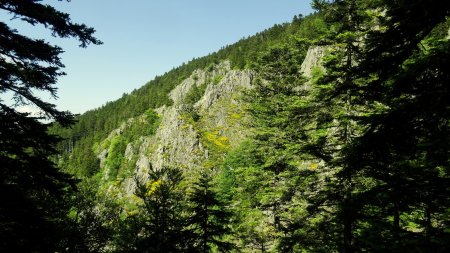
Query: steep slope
[[95, 125], [205, 121], [194, 118], [187, 135], [274, 136]]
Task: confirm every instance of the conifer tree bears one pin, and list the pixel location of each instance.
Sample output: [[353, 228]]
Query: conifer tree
[[161, 222], [31, 210], [403, 150], [280, 107], [315, 123], [210, 220], [332, 104], [402, 125]]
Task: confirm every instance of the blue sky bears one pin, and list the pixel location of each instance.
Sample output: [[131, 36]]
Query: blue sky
[[144, 38]]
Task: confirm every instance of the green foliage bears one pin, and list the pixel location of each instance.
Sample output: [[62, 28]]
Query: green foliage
[[94, 217], [411, 125], [256, 231], [365, 122], [354, 160], [216, 80], [210, 219], [86, 163], [95, 125], [32, 207], [115, 156], [161, 220], [195, 93], [153, 121], [240, 166], [277, 104], [245, 155]]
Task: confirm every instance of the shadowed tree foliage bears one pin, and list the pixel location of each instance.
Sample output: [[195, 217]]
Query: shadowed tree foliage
[[210, 220], [376, 116], [162, 222], [31, 187], [333, 127], [397, 163], [94, 219], [405, 148]]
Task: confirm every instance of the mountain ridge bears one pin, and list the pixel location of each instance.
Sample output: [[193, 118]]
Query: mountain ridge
[[288, 139], [94, 125]]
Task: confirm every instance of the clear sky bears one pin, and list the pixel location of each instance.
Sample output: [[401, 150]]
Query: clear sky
[[144, 38]]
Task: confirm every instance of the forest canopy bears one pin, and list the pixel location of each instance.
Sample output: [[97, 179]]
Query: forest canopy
[[337, 142]]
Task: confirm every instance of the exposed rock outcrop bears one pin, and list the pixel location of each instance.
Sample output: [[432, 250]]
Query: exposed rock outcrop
[[312, 60], [177, 141], [188, 134], [230, 83]]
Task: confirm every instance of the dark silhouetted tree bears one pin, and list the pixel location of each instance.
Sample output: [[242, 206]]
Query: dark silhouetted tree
[[396, 163], [405, 149], [31, 186]]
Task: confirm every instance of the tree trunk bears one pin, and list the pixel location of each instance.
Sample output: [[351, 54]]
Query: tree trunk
[[396, 222], [428, 225], [348, 221]]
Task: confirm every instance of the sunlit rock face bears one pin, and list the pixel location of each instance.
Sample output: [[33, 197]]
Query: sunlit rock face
[[189, 133], [179, 140], [312, 60]]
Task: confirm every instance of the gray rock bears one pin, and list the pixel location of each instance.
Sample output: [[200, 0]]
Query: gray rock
[[129, 152], [177, 142], [231, 82], [312, 60], [102, 157]]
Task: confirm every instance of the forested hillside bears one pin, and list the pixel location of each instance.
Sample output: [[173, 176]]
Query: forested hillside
[[96, 124], [330, 133]]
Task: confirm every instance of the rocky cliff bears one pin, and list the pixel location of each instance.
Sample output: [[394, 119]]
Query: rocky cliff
[[189, 132], [191, 135]]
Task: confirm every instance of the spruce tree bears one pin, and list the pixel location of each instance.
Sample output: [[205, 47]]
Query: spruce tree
[[161, 221], [400, 97], [404, 149], [333, 106], [210, 220], [31, 210]]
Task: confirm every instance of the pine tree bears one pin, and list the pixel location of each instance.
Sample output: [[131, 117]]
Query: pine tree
[[404, 149], [397, 87], [31, 210], [161, 222], [210, 220], [323, 121]]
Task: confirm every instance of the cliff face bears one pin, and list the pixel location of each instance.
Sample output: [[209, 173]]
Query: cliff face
[[189, 132], [206, 119], [312, 60]]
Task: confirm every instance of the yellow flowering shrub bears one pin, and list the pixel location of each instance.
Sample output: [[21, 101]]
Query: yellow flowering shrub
[[152, 186]]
